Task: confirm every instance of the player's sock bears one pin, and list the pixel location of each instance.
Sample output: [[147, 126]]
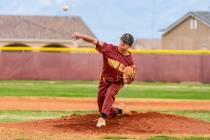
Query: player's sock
[[103, 115], [120, 111]]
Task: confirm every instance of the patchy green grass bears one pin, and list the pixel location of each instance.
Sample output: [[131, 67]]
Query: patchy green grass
[[115, 138], [175, 138], [197, 138], [21, 115], [25, 115], [89, 89], [21, 139], [200, 115], [163, 138]]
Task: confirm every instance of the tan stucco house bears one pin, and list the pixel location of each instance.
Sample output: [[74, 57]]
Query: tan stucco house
[[41, 31], [147, 44], [191, 32]]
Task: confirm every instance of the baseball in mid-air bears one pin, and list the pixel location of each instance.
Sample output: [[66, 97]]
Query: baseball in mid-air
[[65, 7]]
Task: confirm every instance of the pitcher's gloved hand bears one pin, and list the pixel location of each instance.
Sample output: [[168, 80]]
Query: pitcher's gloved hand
[[129, 73]]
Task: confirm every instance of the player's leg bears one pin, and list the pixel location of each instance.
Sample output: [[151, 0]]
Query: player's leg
[[107, 108], [108, 100], [102, 89]]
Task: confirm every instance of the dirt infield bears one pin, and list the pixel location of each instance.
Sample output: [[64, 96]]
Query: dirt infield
[[148, 123], [137, 123], [36, 103]]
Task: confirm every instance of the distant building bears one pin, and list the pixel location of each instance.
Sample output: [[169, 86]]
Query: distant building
[[41, 31], [191, 32], [148, 44]]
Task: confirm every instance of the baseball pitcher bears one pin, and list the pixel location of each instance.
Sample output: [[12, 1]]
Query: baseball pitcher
[[118, 69]]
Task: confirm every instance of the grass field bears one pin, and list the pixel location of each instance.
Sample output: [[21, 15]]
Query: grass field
[[89, 89], [28, 115], [20, 115], [176, 138], [154, 138], [194, 91]]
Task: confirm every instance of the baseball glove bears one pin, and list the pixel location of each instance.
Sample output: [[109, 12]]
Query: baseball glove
[[129, 73]]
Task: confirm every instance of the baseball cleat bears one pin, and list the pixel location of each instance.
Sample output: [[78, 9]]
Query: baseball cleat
[[125, 110], [101, 122]]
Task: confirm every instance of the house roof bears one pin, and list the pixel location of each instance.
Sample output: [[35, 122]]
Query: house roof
[[41, 27], [202, 16]]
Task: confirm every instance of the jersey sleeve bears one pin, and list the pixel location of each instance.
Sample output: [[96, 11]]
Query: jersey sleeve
[[130, 62], [104, 48]]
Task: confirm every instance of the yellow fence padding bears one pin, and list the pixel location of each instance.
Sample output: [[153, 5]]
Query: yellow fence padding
[[92, 50]]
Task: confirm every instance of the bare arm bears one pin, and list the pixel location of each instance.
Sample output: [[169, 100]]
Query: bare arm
[[87, 38]]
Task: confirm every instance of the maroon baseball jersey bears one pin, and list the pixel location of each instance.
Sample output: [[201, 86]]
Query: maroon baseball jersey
[[113, 62]]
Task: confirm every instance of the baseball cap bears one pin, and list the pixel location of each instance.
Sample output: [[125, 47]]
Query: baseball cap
[[127, 38]]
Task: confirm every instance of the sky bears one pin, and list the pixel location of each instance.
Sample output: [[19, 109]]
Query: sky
[[109, 19]]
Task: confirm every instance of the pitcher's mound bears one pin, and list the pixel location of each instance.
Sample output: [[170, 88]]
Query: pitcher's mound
[[137, 123]]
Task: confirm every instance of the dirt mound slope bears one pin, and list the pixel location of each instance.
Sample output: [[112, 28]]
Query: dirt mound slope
[[137, 123]]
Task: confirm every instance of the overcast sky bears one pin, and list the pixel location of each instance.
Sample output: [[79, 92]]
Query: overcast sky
[[109, 19]]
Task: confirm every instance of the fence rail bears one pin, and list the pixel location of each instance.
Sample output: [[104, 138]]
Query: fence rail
[[92, 50]]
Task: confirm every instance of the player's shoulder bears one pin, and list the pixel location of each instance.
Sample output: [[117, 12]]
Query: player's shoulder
[[109, 46]]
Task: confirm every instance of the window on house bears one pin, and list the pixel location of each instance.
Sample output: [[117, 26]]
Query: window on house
[[193, 24], [204, 46]]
